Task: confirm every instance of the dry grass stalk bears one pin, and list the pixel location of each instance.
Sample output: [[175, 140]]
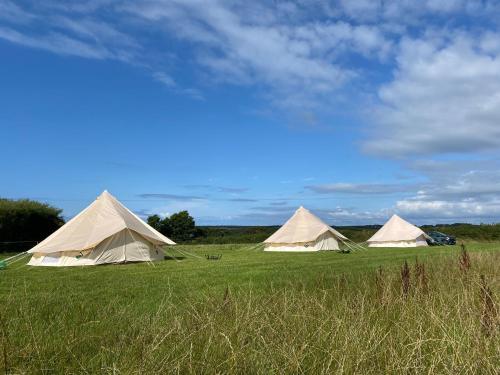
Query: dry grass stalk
[[421, 278], [5, 343], [464, 260], [405, 279], [489, 312], [227, 297], [268, 325], [379, 283]]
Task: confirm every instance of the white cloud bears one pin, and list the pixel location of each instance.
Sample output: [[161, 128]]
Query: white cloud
[[409, 11], [366, 188], [450, 191], [165, 79], [460, 190], [96, 31], [445, 211], [57, 43], [298, 66], [170, 83], [445, 98], [315, 58], [13, 13], [71, 36]]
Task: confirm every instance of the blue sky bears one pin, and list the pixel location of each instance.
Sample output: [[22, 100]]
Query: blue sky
[[241, 111]]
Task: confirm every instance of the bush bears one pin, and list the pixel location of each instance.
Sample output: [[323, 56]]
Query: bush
[[24, 222]]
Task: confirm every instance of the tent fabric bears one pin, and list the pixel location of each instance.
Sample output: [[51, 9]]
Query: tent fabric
[[398, 233], [105, 217], [124, 246], [327, 241], [104, 232], [304, 232]]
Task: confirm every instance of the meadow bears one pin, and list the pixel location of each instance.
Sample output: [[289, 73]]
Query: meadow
[[258, 313]]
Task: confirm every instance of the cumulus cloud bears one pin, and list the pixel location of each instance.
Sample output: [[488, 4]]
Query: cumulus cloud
[[463, 190], [445, 98], [427, 90], [446, 211], [300, 60]]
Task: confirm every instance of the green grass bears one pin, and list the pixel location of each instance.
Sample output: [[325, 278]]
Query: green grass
[[254, 312]]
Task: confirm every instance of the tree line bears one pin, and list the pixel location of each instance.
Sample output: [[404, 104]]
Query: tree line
[[25, 222]]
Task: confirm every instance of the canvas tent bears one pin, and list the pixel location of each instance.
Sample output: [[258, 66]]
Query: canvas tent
[[398, 233], [105, 232], [304, 232]]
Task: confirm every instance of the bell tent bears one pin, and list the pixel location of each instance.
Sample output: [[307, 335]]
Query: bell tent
[[105, 232], [398, 233], [304, 232]]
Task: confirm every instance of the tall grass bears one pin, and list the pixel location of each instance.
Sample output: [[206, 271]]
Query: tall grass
[[431, 317]]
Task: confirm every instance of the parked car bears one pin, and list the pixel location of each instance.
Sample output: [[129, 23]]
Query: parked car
[[438, 238]]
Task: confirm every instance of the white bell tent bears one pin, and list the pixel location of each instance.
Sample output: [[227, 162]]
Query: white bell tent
[[104, 232], [304, 232], [398, 233]]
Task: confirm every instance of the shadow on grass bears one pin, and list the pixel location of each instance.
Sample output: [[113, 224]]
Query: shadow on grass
[[173, 257]]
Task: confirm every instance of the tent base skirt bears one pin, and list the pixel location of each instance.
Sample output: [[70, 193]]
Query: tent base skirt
[[398, 244], [291, 249]]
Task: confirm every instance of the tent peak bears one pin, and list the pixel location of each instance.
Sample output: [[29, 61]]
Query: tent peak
[[395, 231], [105, 193], [102, 219], [302, 227], [398, 218]]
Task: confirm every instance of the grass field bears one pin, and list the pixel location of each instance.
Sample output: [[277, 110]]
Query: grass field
[[254, 312]]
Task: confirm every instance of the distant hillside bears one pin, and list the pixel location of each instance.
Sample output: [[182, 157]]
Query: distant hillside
[[254, 234]]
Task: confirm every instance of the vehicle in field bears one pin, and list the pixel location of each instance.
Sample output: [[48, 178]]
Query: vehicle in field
[[439, 239]]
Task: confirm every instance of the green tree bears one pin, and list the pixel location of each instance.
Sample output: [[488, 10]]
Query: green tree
[[26, 220], [182, 225], [155, 222], [179, 227], [165, 227]]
